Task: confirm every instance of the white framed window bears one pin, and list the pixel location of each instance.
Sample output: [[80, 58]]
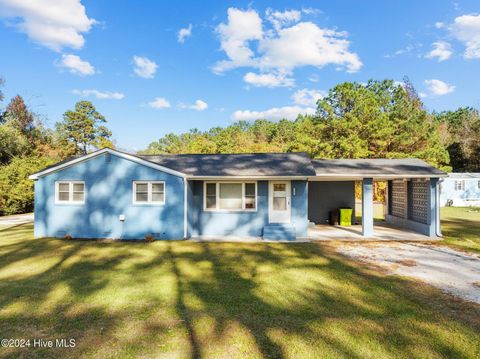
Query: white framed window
[[230, 196], [459, 185], [148, 192], [70, 192]]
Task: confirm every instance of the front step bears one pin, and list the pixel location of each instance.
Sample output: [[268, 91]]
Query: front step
[[279, 232]]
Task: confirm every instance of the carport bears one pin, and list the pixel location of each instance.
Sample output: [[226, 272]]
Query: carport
[[412, 192]]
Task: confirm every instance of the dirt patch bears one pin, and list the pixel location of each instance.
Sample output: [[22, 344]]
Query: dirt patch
[[407, 262]]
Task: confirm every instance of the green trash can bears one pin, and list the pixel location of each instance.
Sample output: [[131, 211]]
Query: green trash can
[[345, 216]]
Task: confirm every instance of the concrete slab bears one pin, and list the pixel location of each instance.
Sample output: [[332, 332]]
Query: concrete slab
[[381, 232]]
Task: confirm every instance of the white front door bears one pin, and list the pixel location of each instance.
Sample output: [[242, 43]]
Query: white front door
[[279, 202]]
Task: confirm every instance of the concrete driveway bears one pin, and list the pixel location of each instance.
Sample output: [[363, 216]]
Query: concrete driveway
[[452, 271], [9, 221]]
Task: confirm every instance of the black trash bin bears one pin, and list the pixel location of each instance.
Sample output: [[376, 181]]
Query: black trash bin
[[333, 217]]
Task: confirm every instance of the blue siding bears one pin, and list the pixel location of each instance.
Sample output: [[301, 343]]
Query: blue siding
[[206, 223], [108, 186], [300, 207]]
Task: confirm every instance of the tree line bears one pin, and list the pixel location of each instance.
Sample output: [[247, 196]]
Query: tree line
[[27, 145], [379, 119]]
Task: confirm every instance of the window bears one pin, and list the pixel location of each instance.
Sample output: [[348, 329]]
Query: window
[[250, 196], [211, 196], [478, 184], [230, 196], [70, 192], [148, 192], [459, 185]]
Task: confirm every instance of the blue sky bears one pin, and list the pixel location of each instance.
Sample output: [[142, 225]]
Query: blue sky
[[157, 67]]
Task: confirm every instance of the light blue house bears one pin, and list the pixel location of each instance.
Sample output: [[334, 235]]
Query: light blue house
[[460, 190], [112, 194]]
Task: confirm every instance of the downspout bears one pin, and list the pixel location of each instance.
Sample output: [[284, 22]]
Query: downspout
[[185, 206], [438, 228]]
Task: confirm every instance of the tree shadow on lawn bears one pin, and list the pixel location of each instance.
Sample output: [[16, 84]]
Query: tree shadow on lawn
[[227, 300], [460, 228], [231, 292]]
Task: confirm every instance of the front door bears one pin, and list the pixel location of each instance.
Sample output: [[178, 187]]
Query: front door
[[279, 202]]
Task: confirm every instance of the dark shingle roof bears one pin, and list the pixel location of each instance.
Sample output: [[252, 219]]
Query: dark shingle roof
[[409, 167], [252, 164]]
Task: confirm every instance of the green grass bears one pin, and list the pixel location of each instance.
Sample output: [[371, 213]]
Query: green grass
[[378, 211], [461, 228], [219, 300]]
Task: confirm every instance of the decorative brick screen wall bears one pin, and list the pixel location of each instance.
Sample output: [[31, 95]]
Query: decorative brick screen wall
[[399, 199], [418, 201]]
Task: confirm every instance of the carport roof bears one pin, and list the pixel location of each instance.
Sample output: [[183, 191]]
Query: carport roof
[[376, 168]]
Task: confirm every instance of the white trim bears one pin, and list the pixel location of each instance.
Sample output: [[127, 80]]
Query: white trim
[[185, 208], [149, 201], [288, 198], [101, 152], [70, 192], [245, 178], [217, 195]]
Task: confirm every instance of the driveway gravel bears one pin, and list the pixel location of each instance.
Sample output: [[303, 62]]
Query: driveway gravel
[[452, 271]]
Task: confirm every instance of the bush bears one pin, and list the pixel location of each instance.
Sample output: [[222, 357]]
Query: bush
[[16, 190]]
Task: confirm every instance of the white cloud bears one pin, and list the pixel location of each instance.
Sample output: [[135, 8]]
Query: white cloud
[[281, 48], [438, 87], [199, 105], [76, 65], [466, 29], [441, 49], [268, 80], [307, 97], [314, 78], [307, 44], [144, 67], [439, 25], [101, 95], [51, 23], [159, 102], [280, 19], [242, 27], [184, 33], [274, 114]]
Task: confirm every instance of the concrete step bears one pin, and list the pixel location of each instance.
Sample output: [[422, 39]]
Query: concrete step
[[285, 232]]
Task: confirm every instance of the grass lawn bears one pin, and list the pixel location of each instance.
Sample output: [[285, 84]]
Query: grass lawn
[[219, 300], [461, 227]]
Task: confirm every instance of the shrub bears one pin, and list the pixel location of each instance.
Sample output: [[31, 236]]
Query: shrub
[[16, 190]]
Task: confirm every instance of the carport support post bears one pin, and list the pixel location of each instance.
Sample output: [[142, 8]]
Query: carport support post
[[367, 207], [433, 213]]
